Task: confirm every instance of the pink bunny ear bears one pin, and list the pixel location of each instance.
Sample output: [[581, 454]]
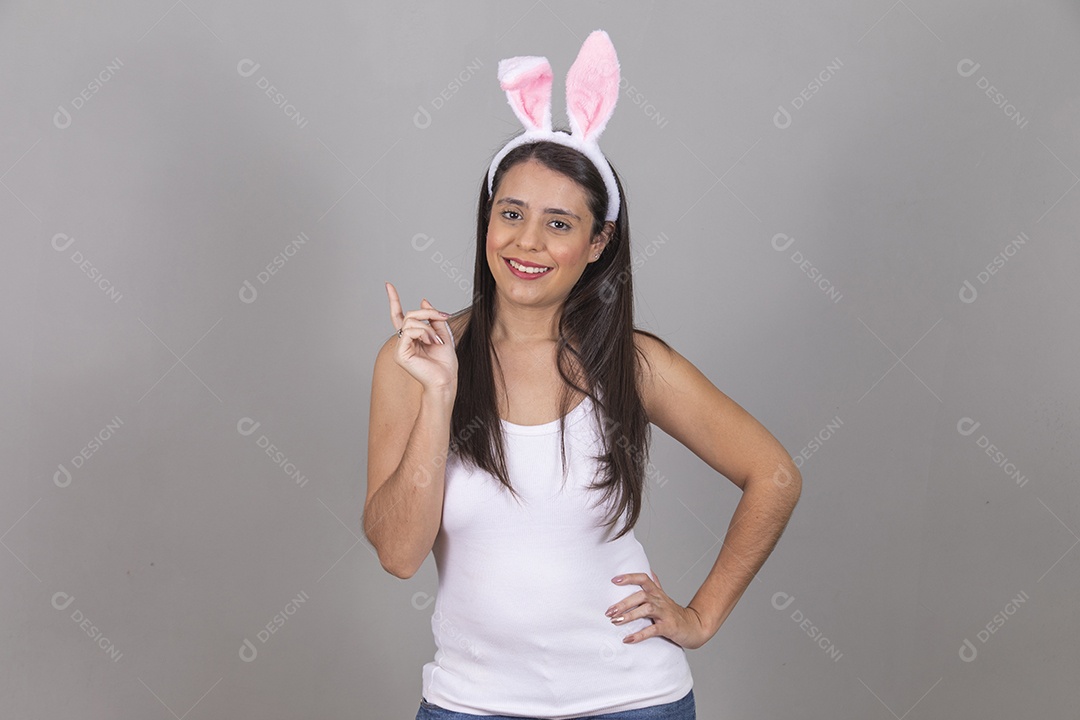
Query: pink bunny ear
[[527, 82], [592, 87]]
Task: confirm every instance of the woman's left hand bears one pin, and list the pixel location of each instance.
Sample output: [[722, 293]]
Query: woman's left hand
[[682, 625]]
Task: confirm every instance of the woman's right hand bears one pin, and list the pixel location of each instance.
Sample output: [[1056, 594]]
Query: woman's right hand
[[427, 352]]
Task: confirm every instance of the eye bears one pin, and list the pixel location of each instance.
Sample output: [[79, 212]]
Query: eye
[[509, 211], [564, 225]]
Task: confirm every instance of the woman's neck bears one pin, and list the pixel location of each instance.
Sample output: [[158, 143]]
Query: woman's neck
[[516, 325]]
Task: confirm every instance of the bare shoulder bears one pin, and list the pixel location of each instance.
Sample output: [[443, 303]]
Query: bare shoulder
[[683, 402], [656, 357]]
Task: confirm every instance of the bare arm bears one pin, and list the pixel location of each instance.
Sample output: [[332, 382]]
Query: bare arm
[[413, 388], [403, 513], [687, 406]]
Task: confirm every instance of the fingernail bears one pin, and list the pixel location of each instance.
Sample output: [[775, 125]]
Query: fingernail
[[617, 579], [440, 340], [444, 314]]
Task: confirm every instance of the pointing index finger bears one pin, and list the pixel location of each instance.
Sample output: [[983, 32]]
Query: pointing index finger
[[397, 318]]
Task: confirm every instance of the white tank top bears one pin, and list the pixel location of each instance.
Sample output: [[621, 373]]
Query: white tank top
[[519, 619]]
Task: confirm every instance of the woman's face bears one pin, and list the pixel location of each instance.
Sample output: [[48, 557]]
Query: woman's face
[[540, 217]]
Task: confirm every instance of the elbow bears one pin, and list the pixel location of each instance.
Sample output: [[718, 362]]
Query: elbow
[[793, 482], [397, 569], [786, 479], [389, 563], [395, 565]]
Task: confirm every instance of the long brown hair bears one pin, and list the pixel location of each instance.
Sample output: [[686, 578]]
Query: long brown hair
[[595, 347]]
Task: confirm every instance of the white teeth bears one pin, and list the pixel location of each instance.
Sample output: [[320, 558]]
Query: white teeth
[[529, 270]]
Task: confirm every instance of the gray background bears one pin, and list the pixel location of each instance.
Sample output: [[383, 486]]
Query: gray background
[[138, 139]]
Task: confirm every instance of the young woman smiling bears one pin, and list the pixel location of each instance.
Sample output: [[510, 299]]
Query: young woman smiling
[[511, 440]]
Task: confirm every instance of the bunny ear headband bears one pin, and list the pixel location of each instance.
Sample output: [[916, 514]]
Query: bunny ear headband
[[592, 87]]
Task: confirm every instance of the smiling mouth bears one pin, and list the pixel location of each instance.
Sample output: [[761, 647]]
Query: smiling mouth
[[521, 270]]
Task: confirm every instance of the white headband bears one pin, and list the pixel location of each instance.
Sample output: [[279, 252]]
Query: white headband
[[592, 88]]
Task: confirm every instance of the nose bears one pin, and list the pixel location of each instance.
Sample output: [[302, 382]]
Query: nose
[[529, 237]]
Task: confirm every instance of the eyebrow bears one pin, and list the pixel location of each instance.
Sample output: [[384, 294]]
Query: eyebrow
[[550, 211]]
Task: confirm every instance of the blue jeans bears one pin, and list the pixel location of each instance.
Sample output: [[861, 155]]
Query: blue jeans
[[683, 709]]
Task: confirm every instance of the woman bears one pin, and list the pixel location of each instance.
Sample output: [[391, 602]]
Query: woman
[[511, 440]]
